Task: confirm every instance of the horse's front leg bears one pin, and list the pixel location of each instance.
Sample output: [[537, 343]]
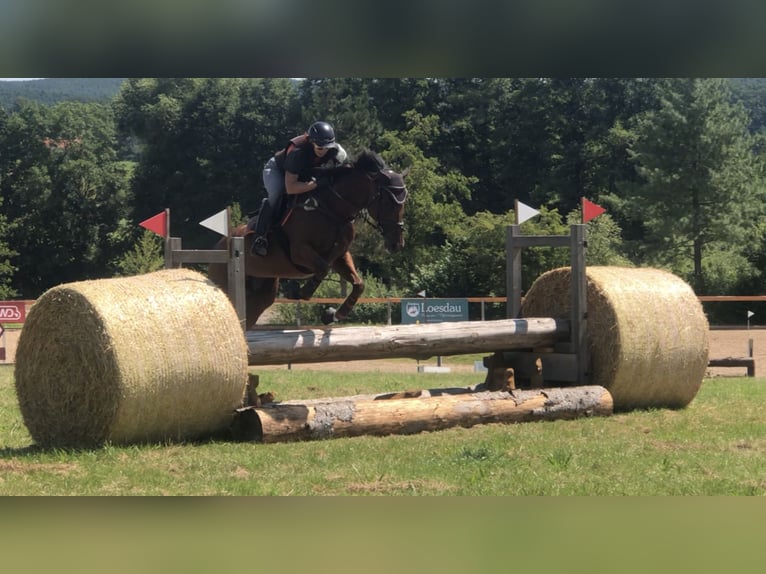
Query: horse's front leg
[[307, 257], [345, 267], [311, 285], [294, 290]]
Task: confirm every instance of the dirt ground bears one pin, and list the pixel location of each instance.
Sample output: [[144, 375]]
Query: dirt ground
[[723, 343]]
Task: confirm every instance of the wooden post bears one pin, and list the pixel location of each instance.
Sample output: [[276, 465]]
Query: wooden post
[[579, 314], [233, 257], [172, 246], [513, 272], [236, 284], [577, 346]]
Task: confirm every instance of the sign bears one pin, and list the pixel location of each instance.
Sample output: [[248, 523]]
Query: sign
[[434, 310], [12, 311]]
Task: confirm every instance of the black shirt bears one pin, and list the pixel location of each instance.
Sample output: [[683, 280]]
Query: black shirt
[[299, 158]]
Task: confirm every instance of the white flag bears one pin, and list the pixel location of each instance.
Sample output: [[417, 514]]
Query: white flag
[[524, 212], [422, 293], [218, 222], [750, 314]]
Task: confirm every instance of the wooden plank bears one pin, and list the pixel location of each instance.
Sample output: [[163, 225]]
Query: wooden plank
[[738, 298], [748, 362], [388, 300], [541, 240], [200, 256]]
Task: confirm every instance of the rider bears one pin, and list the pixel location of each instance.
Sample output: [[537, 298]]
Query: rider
[[290, 170]]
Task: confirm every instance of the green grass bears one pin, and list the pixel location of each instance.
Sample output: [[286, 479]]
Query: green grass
[[715, 446]]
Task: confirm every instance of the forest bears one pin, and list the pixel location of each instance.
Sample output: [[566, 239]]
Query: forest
[[678, 164], [54, 90]]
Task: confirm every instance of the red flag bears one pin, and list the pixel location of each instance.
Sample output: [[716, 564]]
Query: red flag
[[590, 210], [157, 223]]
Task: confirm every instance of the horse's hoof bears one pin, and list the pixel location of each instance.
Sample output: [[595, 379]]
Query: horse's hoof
[[328, 315]]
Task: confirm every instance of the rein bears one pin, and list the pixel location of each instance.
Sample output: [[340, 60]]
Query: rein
[[317, 205]]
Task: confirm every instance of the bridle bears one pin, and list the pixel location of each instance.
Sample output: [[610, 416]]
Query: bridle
[[385, 188]]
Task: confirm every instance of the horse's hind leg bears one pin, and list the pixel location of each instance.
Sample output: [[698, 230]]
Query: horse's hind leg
[[260, 296], [345, 267]]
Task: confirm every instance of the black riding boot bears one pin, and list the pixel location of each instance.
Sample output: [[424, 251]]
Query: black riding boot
[[260, 244]]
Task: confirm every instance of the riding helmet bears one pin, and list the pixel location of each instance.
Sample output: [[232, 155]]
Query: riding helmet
[[322, 134]]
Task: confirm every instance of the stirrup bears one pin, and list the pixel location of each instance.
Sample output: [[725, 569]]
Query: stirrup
[[260, 246]]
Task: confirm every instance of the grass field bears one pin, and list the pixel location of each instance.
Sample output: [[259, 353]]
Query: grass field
[[715, 446]]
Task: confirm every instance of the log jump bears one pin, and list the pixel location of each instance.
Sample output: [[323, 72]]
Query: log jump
[[417, 341], [165, 356]]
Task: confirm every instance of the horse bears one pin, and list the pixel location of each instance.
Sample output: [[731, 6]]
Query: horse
[[315, 234]]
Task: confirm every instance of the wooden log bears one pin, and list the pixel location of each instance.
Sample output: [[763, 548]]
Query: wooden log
[[417, 341], [349, 416]]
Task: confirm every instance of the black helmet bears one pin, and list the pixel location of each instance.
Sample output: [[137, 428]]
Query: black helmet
[[322, 134]]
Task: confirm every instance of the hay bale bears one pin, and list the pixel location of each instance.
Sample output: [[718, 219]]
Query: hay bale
[[647, 332], [154, 357]]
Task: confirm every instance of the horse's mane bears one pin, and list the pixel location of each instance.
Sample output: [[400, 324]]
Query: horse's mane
[[366, 160], [369, 161]]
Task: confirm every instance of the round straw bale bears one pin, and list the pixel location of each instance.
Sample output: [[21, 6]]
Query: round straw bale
[[647, 333], [155, 357]]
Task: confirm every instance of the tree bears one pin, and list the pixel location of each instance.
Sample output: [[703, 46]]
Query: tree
[[64, 193], [700, 189], [751, 92], [204, 144], [346, 104], [604, 237], [433, 210], [146, 256], [7, 269]]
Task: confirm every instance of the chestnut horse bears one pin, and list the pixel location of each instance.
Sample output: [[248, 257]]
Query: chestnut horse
[[314, 236]]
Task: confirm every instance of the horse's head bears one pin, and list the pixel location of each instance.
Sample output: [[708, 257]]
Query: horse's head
[[387, 207]]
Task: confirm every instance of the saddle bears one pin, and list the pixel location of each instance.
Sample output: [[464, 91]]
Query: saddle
[[276, 231]]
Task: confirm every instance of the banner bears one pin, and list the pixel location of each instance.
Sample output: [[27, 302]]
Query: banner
[[12, 311], [434, 310]]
